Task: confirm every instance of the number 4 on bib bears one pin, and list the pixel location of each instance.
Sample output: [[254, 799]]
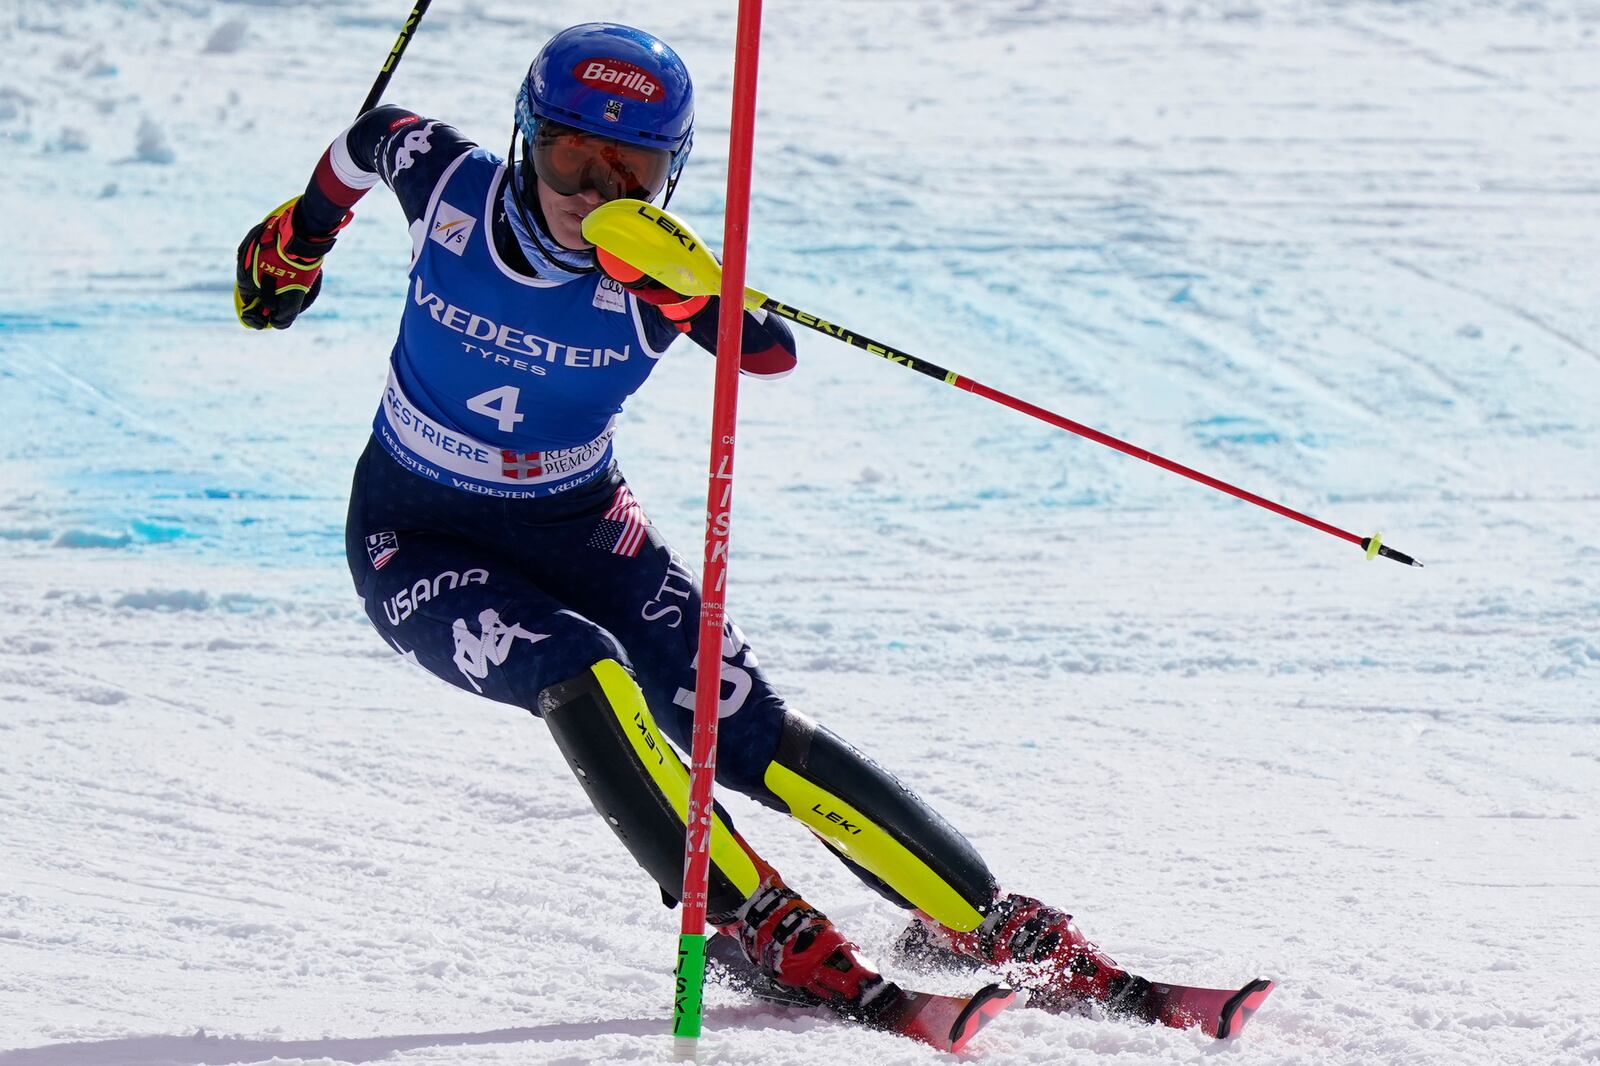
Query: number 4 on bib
[[499, 404]]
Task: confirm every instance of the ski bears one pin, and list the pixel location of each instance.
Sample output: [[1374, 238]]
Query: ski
[[1218, 1012], [943, 1022]]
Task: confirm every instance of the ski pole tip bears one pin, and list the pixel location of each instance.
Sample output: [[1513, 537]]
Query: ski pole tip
[[1374, 547]]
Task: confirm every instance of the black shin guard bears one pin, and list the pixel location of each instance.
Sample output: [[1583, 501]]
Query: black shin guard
[[879, 825], [637, 782]]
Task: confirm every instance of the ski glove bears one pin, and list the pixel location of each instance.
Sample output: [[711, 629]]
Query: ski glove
[[678, 308], [279, 270]]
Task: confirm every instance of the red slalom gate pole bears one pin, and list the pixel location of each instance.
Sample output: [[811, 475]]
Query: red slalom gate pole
[[691, 971]]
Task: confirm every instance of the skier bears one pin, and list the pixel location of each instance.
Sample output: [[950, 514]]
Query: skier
[[495, 543]]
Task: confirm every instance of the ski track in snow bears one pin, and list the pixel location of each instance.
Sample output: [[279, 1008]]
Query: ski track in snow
[[1339, 253]]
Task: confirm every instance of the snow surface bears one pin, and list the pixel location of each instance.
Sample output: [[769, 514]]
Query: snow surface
[[1342, 253]]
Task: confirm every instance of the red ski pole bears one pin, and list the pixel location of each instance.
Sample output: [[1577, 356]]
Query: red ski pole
[[691, 971], [1372, 545], [660, 245]]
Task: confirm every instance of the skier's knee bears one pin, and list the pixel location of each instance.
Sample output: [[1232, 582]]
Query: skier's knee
[[568, 645], [861, 811], [638, 783]]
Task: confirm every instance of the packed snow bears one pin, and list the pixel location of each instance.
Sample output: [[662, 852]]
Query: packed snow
[[1340, 253]]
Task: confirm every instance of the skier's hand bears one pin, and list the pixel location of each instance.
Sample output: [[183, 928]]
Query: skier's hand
[[279, 270], [678, 308]]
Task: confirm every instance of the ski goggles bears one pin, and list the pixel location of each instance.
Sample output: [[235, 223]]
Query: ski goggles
[[570, 161]]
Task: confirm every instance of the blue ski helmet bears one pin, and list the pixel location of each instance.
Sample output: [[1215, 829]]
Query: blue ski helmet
[[614, 81]]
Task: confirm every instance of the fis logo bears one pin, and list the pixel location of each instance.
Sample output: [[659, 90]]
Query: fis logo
[[451, 227], [618, 77]]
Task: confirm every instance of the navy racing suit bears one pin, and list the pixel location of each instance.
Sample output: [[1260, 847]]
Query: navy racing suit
[[495, 543]]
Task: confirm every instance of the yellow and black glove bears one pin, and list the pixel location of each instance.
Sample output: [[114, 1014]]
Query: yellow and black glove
[[279, 270]]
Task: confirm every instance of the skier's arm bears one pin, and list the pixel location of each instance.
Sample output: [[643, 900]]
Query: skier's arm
[[400, 148], [280, 261], [767, 349]]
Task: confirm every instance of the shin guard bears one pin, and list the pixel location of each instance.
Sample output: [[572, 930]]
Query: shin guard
[[877, 824], [605, 731]]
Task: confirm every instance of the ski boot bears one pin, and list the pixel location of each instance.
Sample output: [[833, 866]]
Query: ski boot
[[796, 946], [1035, 947]]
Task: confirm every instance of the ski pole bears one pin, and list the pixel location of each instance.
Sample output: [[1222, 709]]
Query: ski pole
[[662, 246], [394, 57]]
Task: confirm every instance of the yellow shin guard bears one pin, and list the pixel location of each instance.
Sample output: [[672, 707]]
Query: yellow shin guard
[[636, 781], [874, 821]]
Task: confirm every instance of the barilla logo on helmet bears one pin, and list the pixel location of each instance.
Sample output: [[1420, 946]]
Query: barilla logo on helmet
[[619, 78]]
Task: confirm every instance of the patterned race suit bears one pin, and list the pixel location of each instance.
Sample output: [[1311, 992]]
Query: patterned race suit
[[495, 543], [491, 536]]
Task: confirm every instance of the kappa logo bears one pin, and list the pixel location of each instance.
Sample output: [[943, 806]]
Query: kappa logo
[[415, 144], [381, 547], [609, 296], [451, 227], [491, 646], [618, 77]]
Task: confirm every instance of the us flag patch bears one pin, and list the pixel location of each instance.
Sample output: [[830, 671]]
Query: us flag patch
[[621, 528]]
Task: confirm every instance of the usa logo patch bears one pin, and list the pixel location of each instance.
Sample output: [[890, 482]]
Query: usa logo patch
[[381, 547]]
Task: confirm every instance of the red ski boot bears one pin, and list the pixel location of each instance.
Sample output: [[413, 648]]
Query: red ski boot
[[799, 948], [1036, 947]]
